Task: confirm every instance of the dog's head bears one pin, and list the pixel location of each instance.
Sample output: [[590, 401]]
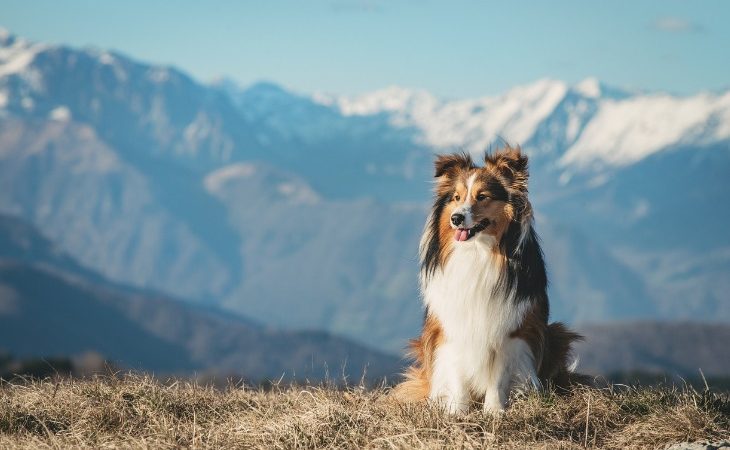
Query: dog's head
[[482, 200]]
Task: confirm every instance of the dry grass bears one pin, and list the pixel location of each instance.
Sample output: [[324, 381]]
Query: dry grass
[[137, 411]]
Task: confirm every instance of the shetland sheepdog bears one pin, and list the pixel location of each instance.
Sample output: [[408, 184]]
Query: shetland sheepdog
[[484, 286]]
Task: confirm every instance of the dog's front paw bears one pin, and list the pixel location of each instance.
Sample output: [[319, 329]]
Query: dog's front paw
[[454, 408], [494, 404], [495, 410], [452, 405]]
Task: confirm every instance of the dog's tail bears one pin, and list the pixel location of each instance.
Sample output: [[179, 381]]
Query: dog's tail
[[558, 368], [417, 383], [414, 388]]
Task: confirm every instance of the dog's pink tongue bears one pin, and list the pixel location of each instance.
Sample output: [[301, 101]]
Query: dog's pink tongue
[[461, 235]]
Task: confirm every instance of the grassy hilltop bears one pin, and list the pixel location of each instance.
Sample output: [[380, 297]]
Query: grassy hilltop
[[139, 411]]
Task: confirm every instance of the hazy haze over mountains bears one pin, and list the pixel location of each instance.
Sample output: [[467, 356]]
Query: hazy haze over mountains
[[49, 306], [305, 211]]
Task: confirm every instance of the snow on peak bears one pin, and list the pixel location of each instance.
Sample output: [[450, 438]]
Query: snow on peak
[[106, 58], [16, 53], [622, 127], [625, 131], [589, 87], [471, 124], [394, 99]]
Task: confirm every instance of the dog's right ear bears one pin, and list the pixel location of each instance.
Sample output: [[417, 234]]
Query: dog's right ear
[[446, 164], [511, 163]]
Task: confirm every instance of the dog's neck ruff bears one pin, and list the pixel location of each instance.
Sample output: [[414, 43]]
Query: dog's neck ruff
[[467, 294]]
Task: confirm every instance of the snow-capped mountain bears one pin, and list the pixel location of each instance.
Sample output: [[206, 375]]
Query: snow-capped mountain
[[304, 211], [472, 124], [600, 125]]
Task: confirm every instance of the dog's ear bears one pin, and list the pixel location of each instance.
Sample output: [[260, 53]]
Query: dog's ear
[[446, 164], [511, 163]]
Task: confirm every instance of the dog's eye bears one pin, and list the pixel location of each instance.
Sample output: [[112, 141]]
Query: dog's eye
[[457, 197], [481, 197]]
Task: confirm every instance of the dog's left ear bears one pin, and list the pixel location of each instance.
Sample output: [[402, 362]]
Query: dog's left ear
[[511, 163], [446, 164]]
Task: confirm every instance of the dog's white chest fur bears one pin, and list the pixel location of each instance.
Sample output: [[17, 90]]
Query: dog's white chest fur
[[477, 319]]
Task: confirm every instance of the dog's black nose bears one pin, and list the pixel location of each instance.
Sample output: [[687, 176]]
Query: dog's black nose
[[457, 219]]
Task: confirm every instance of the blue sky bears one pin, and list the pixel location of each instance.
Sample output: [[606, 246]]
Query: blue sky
[[457, 48]]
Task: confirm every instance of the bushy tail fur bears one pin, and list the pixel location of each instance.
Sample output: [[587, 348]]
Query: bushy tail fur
[[414, 388], [417, 383], [556, 369]]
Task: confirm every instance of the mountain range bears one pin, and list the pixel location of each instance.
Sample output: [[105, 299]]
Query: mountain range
[[52, 307], [303, 211]]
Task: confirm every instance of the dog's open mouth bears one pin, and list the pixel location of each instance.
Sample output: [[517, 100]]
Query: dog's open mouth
[[464, 234]]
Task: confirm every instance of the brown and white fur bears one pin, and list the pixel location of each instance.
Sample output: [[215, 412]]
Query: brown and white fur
[[484, 286]]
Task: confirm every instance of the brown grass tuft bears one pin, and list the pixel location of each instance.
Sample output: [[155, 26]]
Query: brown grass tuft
[[139, 411]]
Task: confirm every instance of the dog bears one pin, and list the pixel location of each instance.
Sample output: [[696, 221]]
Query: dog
[[484, 286]]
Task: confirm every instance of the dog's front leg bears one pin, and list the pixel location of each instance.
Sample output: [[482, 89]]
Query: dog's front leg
[[495, 400], [512, 364], [448, 388]]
